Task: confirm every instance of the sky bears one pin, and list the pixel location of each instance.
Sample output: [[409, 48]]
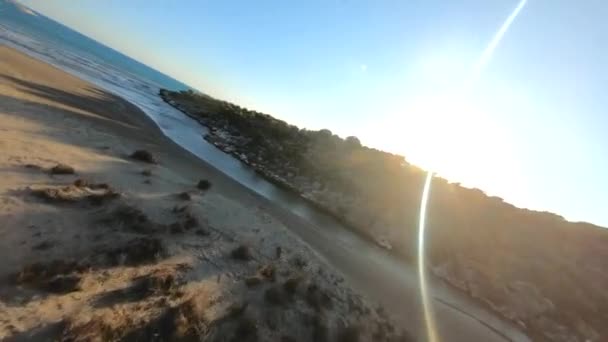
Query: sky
[[532, 128]]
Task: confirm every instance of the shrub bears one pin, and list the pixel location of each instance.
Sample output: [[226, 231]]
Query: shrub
[[144, 156], [62, 169]]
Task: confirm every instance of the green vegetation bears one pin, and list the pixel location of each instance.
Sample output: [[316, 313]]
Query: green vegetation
[[535, 268]]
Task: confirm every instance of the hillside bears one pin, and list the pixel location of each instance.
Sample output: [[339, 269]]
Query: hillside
[[534, 268]]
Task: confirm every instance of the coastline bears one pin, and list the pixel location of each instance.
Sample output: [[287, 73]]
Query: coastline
[[400, 257], [129, 216], [279, 182], [180, 168], [112, 234], [479, 246]]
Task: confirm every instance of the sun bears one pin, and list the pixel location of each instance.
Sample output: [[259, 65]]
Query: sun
[[446, 131], [453, 135]]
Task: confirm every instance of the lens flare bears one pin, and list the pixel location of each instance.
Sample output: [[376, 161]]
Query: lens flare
[[426, 305], [487, 53], [432, 333]]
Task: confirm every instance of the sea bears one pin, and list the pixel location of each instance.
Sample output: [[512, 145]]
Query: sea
[[27, 29]]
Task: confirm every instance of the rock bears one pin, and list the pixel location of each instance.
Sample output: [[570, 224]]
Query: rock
[[144, 156], [62, 169], [203, 184]]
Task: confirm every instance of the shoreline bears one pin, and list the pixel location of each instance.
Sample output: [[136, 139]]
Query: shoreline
[[178, 163], [277, 181], [90, 232]]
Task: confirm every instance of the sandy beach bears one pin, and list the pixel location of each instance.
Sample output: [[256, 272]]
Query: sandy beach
[[113, 247], [109, 247]]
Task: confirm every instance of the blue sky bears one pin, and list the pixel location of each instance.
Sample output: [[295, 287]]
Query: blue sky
[[532, 130]]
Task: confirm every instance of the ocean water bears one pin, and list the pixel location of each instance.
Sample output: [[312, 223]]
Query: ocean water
[[53, 38]]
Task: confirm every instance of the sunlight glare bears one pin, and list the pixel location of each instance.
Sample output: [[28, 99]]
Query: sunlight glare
[[452, 135], [429, 317], [445, 141]]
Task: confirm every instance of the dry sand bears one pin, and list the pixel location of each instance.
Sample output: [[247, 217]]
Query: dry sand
[[124, 249]]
